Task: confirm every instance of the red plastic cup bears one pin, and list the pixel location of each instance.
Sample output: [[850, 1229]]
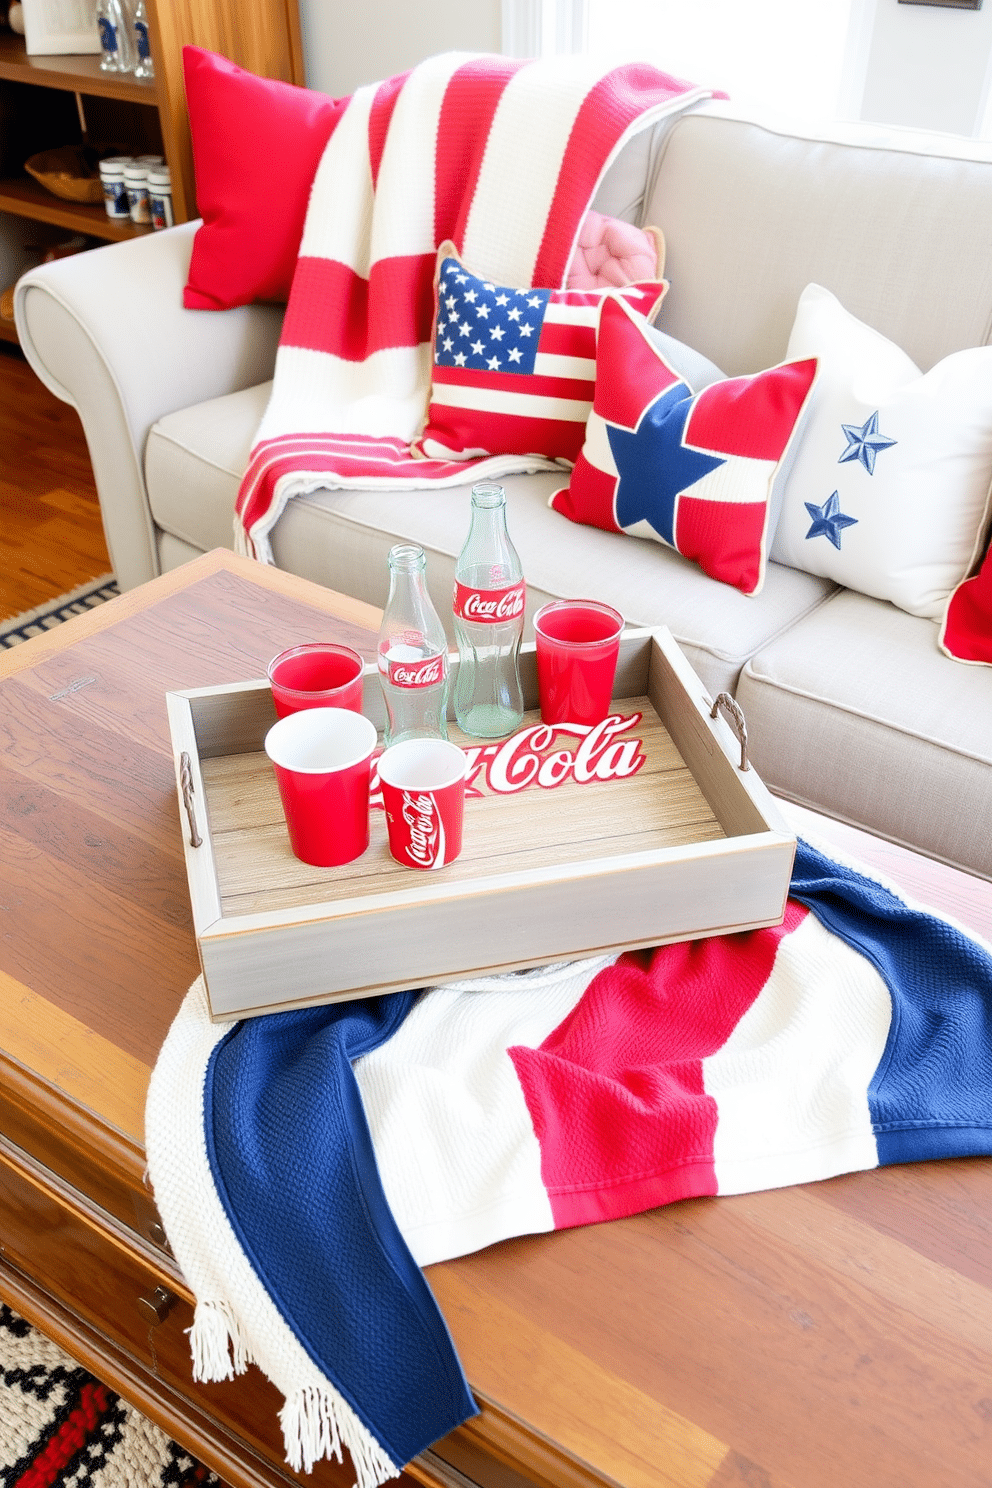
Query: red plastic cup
[[577, 642], [317, 675], [323, 761], [423, 793]]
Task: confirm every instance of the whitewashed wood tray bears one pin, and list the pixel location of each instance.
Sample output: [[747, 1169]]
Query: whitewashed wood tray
[[689, 844]]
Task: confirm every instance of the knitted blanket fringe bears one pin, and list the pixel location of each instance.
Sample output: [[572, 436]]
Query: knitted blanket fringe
[[316, 1420], [217, 1342]]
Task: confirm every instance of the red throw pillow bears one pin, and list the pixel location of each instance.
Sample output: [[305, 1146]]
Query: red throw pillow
[[257, 143], [966, 632], [692, 471]]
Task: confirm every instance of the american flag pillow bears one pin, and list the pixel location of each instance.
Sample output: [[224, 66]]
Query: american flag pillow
[[692, 471], [514, 370]]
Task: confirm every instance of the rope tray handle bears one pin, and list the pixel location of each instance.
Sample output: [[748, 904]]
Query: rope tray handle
[[186, 782], [732, 707]]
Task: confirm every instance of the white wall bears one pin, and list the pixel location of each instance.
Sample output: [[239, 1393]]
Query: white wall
[[928, 66], [925, 66], [346, 45]]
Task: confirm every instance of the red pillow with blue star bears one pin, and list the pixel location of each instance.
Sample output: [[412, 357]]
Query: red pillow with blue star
[[692, 471]]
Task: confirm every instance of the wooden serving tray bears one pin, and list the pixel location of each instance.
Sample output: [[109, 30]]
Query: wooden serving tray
[[569, 864]]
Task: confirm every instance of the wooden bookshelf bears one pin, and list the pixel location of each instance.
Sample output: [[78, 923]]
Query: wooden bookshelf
[[46, 101], [26, 198], [68, 73]]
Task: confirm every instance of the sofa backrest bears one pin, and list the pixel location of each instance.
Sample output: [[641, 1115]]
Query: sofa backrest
[[897, 224]]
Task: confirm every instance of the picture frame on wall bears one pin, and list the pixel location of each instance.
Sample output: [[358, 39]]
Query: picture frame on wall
[[60, 27], [948, 4]]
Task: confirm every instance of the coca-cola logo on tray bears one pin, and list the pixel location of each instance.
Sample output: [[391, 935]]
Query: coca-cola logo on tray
[[489, 606], [581, 753]]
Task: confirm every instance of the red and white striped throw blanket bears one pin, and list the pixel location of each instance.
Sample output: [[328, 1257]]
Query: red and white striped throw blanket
[[498, 155]]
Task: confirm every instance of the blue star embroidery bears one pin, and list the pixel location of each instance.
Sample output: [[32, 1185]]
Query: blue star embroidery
[[864, 443], [828, 520], [655, 466]]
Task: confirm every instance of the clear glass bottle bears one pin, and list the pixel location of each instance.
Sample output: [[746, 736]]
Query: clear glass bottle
[[114, 21], [488, 610], [144, 66], [413, 652]]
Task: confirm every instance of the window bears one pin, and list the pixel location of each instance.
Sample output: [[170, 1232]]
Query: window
[[782, 55]]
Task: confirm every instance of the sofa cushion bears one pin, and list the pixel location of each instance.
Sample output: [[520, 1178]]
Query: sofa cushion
[[194, 461], [513, 369], [694, 472], [895, 223], [889, 490], [860, 681], [193, 465]]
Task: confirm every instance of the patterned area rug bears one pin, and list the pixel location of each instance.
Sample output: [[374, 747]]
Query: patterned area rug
[[60, 1427], [47, 616]]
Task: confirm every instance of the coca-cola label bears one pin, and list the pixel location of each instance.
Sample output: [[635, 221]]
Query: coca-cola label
[[425, 846], [489, 606], [425, 671]]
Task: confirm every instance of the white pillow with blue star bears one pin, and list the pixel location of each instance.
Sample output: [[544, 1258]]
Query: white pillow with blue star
[[889, 492]]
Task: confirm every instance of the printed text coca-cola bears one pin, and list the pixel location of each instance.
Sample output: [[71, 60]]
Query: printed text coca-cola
[[489, 606], [421, 816], [424, 672]]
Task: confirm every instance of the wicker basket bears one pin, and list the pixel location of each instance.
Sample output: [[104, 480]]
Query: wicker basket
[[71, 172]]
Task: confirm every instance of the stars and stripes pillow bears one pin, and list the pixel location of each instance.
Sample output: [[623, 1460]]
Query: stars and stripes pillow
[[514, 370], [693, 471]]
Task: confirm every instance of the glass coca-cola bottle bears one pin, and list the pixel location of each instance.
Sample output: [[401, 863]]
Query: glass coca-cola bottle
[[488, 611], [413, 652]]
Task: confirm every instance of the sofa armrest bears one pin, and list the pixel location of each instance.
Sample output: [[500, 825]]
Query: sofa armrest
[[106, 331]]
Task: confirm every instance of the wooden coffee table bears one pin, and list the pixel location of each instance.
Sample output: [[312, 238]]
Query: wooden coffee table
[[835, 1335]]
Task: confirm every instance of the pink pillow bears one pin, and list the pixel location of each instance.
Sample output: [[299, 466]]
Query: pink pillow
[[257, 143], [692, 471], [610, 253]]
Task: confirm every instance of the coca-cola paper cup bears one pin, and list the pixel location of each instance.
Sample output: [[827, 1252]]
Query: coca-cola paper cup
[[316, 675], [577, 642], [323, 762], [423, 793]]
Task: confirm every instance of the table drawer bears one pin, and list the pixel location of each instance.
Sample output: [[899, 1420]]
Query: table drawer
[[88, 1156], [103, 1275]]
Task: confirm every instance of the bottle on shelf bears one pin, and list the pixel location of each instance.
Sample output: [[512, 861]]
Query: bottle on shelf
[[488, 609], [160, 196], [413, 652], [114, 21], [113, 170], [144, 66]]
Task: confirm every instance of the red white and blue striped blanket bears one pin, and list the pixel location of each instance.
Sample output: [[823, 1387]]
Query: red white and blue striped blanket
[[498, 155], [307, 1164]]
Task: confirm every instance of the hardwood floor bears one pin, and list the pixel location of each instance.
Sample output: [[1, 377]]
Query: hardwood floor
[[51, 536]]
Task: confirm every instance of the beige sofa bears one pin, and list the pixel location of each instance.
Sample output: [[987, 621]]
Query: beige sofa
[[850, 705]]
